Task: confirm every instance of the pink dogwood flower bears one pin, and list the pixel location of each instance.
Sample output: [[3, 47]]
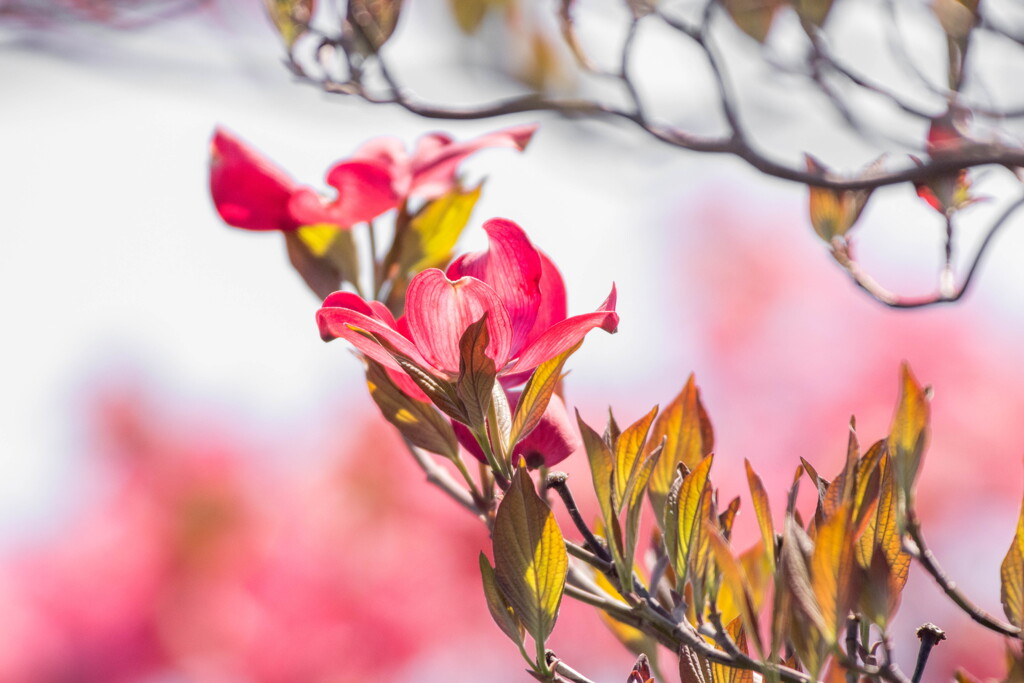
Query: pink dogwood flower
[[248, 190], [251, 192], [512, 282], [380, 175]]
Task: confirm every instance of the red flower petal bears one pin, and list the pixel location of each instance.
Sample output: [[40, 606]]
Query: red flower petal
[[513, 268], [364, 192], [553, 308], [566, 334], [433, 167], [343, 311], [438, 311], [248, 189]]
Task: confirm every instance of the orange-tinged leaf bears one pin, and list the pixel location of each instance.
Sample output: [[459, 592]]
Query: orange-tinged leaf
[[726, 518], [1011, 573], [629, 447], [530, 561], [763, 511], [499, 607], [753, 17], [908, 435], [796, 549], [834, 212], [634, 499], [728, 674], [688, 437], [832, 576], [734, 577]]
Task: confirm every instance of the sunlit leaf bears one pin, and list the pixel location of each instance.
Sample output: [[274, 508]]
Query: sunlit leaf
[[832, 571], [734, 577], [290, 17], [535, 397], [908, 434], [763, 511], [499, 607], [882, 535], [600, 458], [1011, 572], [834, 212], [418, 422], [721, 673], [688, 437], [634, 500], [530, 561], [628, 450], [688, 509], [434, 231], [728, 516]]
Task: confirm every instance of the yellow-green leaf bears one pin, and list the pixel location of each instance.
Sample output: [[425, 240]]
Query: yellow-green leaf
[[686, 430], [530, 561], [1012, 575], [763, 511], [435, 230], [600, 458], [535, 397], [290, 17], [501, 611], [629, 446], [908, 435], [689, 510], [418, 422]]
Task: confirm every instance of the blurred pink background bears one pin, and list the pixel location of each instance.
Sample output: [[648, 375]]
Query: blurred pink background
[[195, 488]]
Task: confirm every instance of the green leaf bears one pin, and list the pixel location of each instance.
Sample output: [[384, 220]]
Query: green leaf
[[418, 422], [735, 579], [688, 436], [688, 509], [530, 561], [535, 397], [629, 446], [634, 505], [433, 232], [334, 245], [477, 374], [498, 605]]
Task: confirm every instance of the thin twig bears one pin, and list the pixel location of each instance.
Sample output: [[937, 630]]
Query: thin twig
[[923, 554]]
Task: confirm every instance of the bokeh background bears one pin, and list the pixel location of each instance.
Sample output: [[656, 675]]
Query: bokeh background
[[193, 487]]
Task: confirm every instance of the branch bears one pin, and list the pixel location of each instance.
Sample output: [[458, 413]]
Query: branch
[[947, 293], [923, 554]]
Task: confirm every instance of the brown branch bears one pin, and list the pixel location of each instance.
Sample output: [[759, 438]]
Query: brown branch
[[948, 292], [923, 554]]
